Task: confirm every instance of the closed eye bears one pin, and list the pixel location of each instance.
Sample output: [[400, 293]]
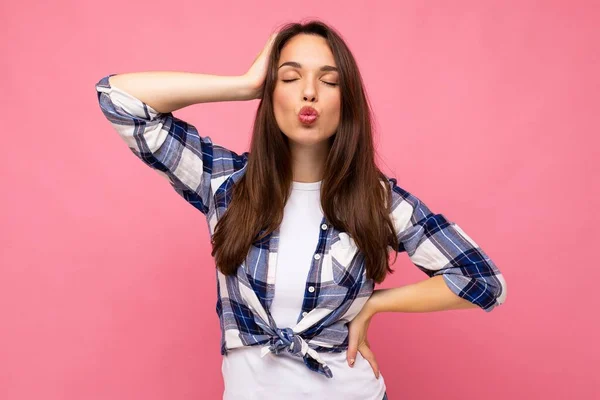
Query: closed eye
[[292, 80]]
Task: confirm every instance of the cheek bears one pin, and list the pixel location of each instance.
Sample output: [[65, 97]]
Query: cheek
[[333, 108], [281, 106], [283, 100]]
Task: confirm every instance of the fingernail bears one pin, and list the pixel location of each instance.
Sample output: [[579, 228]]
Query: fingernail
[[352, 362]]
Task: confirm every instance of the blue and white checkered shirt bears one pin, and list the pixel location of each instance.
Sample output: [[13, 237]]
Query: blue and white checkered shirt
[[204, 173]]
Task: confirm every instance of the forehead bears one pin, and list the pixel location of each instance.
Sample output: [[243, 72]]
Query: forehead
[[311, 51]]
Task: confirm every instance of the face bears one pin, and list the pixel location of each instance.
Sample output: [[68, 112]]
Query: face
[[310, 80]]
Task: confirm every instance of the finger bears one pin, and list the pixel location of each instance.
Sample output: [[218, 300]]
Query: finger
[[270, 42], [352, 347], [370, 357]]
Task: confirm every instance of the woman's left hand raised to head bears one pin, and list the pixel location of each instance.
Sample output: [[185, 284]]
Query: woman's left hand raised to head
[[357, 339]]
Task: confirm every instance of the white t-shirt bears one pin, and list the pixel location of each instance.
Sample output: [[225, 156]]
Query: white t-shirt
[[246, 375]]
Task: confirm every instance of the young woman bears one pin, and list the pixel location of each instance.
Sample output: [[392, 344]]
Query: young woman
[[301, 225]]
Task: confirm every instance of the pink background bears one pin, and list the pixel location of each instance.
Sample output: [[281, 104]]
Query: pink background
[[488, 111]]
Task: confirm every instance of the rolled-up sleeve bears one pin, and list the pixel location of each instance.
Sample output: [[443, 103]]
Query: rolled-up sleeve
[[438, 246], [194, 166]]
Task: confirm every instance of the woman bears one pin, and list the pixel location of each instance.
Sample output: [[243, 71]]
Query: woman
[[302, 225]]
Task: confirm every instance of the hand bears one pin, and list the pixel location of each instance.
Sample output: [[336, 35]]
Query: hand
[[258, 71], [357, 337]]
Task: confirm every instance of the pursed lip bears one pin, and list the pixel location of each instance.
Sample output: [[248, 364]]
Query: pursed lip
[[308, 110]]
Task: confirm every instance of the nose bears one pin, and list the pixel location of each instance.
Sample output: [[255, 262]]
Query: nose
[[309, 93]]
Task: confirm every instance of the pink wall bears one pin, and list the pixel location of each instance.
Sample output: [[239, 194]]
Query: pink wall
[[486, 110]]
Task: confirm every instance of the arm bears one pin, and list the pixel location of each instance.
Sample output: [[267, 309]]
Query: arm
[[194, 166], [428, 295], [167, 91], [140, 108], [461, 274]]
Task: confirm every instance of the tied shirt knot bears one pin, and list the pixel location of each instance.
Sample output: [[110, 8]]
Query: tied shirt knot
[[287, 339]]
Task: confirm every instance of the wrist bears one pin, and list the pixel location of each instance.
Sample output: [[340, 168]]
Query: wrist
[[251, 87], [371, 307]]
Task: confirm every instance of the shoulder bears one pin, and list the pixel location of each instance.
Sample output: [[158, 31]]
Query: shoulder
[[406, 209]]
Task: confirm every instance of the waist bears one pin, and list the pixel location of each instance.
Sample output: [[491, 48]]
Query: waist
[[247, 375]]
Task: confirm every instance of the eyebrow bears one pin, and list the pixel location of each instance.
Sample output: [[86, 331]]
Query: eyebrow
[[298, 65]]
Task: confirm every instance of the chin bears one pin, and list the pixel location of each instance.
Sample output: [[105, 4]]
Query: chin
[[308, 139]]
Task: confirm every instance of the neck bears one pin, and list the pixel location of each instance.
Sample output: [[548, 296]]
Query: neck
[[308, 162]]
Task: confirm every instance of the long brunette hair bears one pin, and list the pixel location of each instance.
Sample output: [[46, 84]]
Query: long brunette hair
[[355, 194]]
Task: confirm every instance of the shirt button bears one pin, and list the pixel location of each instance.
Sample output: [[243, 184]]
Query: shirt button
[[324, 226], [311, 289], [304, 314], [317, 256]]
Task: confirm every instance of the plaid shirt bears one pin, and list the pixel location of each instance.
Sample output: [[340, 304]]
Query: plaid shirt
[[204, 173]]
